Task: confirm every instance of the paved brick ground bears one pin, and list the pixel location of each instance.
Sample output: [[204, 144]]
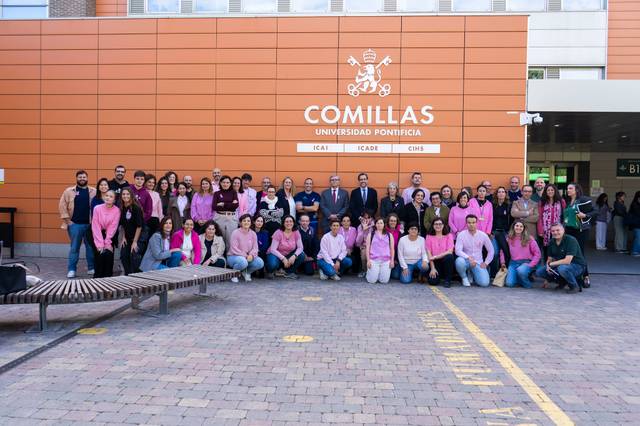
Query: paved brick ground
[[374, 357]]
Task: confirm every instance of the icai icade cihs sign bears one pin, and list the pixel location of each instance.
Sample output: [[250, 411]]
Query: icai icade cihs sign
[[368, 80]]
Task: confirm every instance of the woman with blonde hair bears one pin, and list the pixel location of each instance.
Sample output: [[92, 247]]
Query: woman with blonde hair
[[287, 193], [525, 255], [393, 202]]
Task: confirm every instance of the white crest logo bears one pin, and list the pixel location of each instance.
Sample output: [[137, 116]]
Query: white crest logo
[[369, 74]]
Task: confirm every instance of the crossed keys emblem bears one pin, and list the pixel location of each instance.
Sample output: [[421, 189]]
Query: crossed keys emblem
[[369, 75]]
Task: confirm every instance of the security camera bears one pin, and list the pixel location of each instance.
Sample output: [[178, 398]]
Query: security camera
[[537, 119], [527, 119]]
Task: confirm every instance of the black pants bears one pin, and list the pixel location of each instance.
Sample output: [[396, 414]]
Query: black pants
[[153, 224], [130, 261], [444, 266], [104, 264], [582, 237], [501, 239]]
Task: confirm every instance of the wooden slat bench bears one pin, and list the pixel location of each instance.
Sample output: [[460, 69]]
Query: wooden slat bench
[[135, 286]]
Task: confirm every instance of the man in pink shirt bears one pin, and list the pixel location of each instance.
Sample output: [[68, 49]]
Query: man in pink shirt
[[470, 263]]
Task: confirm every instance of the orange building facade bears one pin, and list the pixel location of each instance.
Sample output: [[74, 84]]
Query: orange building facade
[[272, 96]]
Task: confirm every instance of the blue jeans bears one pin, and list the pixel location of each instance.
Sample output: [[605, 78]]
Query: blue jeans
[[635, 247], [406, 279], [328, 268], [77, 233], [240, 263], [567, 272], [518, 273], [274, 263], [480, 275], [174, 260]]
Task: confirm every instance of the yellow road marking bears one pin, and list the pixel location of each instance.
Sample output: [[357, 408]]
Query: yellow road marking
[[312, 298], [297, 339], [537, 395], [92, 331]]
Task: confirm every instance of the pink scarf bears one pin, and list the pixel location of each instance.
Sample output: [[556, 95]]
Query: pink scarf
[[551, 214]]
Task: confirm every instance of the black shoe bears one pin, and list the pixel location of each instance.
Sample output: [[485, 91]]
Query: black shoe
[[447, 284], [571, 290], [586, 282]]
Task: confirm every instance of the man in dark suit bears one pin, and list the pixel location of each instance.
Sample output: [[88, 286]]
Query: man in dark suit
[[334, 203], [362, 199]]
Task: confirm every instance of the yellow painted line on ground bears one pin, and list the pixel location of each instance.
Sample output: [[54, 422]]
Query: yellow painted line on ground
[[297, 339], [537, 395], [92, 331], [312, 298]]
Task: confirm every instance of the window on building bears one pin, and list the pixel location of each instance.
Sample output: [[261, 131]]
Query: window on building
[[210, 5], [580, 73], [536, 74], [363, 5], [526, 5], [259, 6], [417, 5], [581, 4], [163, 6], [471, 6], [316, 6], [24, 9]]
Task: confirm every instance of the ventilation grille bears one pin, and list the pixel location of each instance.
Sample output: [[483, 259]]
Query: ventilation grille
[[235, 6], [499, 5], [186, 6], [444, 6], [337, 6], [553, 73], [390, 5], [284, 5], [554, 5], [136, 7]]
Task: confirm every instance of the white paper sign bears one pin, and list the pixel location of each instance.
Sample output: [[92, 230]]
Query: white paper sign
[[1, 176]]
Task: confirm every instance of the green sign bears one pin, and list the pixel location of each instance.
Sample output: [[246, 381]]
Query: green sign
[[628, 168]]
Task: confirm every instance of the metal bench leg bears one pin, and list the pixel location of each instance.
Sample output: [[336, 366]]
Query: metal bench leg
[[163, 303], [135, 302], [42, 321], [203, 289]]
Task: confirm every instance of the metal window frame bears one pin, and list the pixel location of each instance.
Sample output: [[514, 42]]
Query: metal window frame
[[195, 3], [13, 6], [453, 8], [275, 11], [544, 9], [434, 10], [147, 12], [602, 7], [379, 10], [294, 10]]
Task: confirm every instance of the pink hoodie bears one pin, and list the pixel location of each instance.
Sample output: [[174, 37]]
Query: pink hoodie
[[484, 213], [178, 238], [458, 219], [104, 218]]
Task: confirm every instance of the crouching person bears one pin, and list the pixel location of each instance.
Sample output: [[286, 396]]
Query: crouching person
[[310, 244], [333, 258], [158, 250], [525, 256], [470, 263], [186, 239], [566, 263], [285, 250], [243, 250], [212, 245]]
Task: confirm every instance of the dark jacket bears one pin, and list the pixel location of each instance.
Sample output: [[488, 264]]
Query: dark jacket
[[502, 218], [174, 212], [273, 217], [585, 205], [357, 207], [310, 243], [411, 215], [619, 209], [387, 206]]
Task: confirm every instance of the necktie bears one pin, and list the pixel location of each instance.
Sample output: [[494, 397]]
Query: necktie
[[364, 195], [335, 196]]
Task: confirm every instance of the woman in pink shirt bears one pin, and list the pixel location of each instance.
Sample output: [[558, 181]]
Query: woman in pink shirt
[[439, 245], [243, 196], [458, 214], [104, 224], [202, 205], [349, 233], [379, 252], [243, 250], [482, 208], [186, 239], [525, 255], [286, 250]]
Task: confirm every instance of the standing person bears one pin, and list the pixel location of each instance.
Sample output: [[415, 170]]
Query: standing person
[[104, 223], [159, 249], [526, 209], [470, 263], [156, 204], [310, 243], [252, 201], [164, 191], [332, 258], [186, 239], [538, 190], [216, 174], [448, 198], [416, 183], [143, 198], [435, 210], [202, 206], [514, 189], [577, 218], [272, 209], [188, 180], [180, 207], [131, 223], [349, 233], [393, 202], [363, 199], [379, 250], [264, 241], [308, 203], [172, 177], [458, 214], [566, 261], [634, 224], [212, 246], [334, 203], [414, 211], [242, 254], [501, 224], [286, 250], [287, 192], [75, 210], [243, 197], [602, 221], [439, 245], [266, 183], [525, 256], [550, 212], [366, 227], [487, 184], [225, 204], [620, 231], [412, 255], [102, 188], [482, 208], [118, 183]]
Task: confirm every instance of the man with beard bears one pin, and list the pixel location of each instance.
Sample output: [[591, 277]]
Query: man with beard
[[118, 183], [74, 208]]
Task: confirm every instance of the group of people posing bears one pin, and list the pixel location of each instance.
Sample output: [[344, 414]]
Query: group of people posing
[[413, 234]]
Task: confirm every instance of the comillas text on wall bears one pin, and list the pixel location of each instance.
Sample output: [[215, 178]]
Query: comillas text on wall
[[188, 94]]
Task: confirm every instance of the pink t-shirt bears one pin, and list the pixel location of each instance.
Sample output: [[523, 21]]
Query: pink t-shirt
[[436, 245], [282, 246]]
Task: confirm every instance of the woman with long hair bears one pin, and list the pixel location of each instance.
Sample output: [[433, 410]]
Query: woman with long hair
[[212, 246], [131, 223], [482, 208], [102, 187], [439, 245], [379, 252], [578, 217], [159, 249], [550, 212], [163, 189], [156, 204], [104, 224], [525, 255], [287, 192], [243, 196], [202, 205], [458, 214], [415, 210], [286, 250], [448, 199], [264, 240], [225, 204], [501, 224], [180, 206], [392, 203], [172, 178], [619, 228], [602, 221], [186, 239], [242, 252]]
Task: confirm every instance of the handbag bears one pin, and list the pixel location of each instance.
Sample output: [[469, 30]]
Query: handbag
[[13, 278], [500, 277]]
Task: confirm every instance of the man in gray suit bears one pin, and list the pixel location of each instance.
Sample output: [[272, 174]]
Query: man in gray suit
[[334, 203]]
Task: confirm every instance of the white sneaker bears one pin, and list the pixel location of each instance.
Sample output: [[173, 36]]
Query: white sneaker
[[246, 276], [234, 279], [71, 274], [336, 277], [323, 276], [470, 277], [465, 282], [91, 272], [361, 274]]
